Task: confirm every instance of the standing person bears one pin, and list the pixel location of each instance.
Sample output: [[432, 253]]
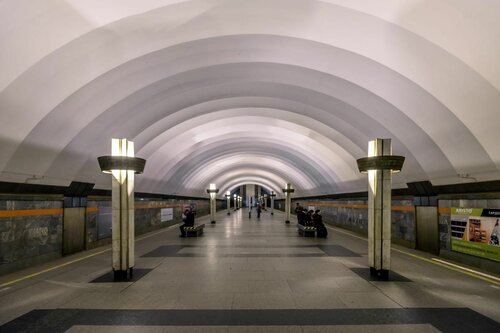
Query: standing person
[[300, 214], [188, 222], [259, 210], [318, 223]]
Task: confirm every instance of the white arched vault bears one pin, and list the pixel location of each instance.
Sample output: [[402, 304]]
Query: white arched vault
[[237, 182], [201, 94]]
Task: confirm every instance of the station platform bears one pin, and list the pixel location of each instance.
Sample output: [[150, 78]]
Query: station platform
[[250, 275]]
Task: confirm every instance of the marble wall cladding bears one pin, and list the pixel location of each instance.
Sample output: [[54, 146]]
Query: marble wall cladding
[[403, 222], [147, 216], [98, 221], [353, 215], [28, 240], [24, 238]]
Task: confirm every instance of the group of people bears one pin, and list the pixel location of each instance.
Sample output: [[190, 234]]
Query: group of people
[[305, 217], [311, 218]]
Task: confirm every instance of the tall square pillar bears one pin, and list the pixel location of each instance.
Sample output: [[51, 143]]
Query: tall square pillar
[[123, 166], [123, 212], [379, 211]]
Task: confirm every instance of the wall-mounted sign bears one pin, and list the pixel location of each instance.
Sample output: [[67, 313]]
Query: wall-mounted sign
[[475, 231], [167, 214]]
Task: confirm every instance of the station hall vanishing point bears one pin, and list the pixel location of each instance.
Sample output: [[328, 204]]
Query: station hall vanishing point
[[258, 166]]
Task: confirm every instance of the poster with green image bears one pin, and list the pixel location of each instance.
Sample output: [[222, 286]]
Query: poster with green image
[[475, 231]]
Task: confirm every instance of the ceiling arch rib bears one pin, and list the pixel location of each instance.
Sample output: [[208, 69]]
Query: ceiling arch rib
[[256, 128], [281, 153], [214, 168], [334, 186], [484, 163], [333, 169], [238, 181], [101, 123], [326, 11], [427, 159], [230, 176], [80, 18]]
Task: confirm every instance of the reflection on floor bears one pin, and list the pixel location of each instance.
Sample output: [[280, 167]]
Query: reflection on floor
[[250, 276]]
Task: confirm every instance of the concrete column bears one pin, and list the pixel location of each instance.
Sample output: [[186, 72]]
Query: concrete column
[[288, 201], [228, 197], [379, 211], [212, 191], [122, 212], [235, 201], [213, 209], [242, 195], [273, 195], [250, 194]]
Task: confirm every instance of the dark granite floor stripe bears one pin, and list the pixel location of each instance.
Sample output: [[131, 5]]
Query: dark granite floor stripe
[[365, 274], [247, 255], [328, 250], [337, 251], [109, 276], [455, 320], [236, 246]]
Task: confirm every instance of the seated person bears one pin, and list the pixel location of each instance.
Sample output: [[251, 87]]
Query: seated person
[[188, 222], [308, 221], [318, 223]]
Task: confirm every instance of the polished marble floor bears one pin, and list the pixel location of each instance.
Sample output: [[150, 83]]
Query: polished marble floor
[[249, 275]]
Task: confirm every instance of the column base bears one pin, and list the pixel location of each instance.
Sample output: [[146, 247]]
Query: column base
[[123, 275], [287, 222], [272, 213], [213, 222], [228, 213], [381, 274]]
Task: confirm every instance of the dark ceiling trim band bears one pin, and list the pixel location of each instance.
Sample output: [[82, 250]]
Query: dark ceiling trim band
[[78, 189]]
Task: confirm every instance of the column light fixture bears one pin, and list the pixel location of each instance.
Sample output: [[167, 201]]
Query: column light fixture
[[212, 191]]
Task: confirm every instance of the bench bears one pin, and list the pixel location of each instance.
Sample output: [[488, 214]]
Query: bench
[[306, 231], [194, 231]]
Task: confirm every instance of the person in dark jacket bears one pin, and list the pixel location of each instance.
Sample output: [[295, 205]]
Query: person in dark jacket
[[188, 222], [300, 214], [308, 217], [318, 224]]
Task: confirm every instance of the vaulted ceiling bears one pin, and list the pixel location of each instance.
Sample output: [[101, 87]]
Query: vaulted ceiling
[[235, 91]]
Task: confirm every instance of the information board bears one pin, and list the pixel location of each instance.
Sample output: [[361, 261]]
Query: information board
[[167, 214], [475, 231]]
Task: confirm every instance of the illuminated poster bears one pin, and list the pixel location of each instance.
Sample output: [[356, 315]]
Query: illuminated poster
[[475, 231]]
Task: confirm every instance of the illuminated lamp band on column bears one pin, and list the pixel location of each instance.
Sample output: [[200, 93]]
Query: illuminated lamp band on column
[[386, 162], [110, 163]]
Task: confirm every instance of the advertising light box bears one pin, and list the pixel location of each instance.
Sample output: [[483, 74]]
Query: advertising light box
[[475, 231]]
